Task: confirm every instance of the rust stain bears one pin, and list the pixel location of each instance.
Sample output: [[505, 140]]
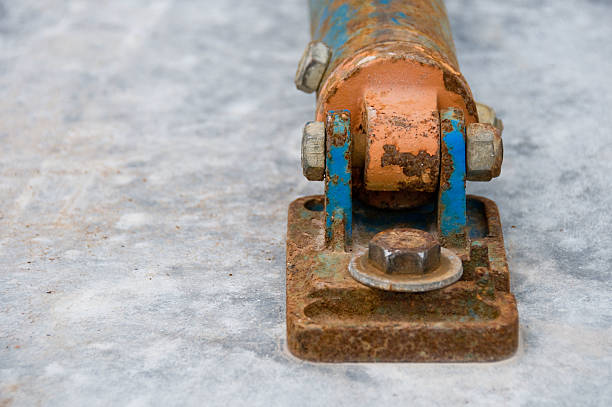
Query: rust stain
[[402, 133], [412, 165], [455, 84]]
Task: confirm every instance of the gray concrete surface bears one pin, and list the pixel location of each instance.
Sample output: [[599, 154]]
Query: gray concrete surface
[[149, 150]]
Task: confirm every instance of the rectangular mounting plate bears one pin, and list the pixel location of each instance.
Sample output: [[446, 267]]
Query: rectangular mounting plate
[[333, 318]]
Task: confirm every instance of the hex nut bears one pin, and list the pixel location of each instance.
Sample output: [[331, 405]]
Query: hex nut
[[484, 152], [312, 66], [487, 115], [313, 151], [404, 251]]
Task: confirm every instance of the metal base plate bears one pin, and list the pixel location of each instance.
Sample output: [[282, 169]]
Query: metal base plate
[[333, 318]]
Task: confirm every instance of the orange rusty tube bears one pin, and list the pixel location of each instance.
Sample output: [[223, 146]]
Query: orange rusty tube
[[393, 66]]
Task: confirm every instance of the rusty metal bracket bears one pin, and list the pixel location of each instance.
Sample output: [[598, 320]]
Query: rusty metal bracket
[[451, 209], [333, 318], [338, 201]]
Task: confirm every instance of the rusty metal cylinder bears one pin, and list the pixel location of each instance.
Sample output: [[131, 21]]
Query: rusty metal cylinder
[[347, 26], [393, 66]]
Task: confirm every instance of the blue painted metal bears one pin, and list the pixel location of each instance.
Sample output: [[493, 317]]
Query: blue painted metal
[[451, 197], [338, 200]]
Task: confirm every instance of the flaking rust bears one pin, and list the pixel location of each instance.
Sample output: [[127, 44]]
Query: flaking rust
[[394, 120], [333, 318]]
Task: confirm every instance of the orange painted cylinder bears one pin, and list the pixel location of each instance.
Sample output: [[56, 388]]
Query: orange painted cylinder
[[393, 65]]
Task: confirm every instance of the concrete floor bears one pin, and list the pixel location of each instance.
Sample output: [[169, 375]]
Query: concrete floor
[[150, 150]]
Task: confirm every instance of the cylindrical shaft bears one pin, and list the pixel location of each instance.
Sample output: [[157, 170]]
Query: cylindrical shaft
[[347, 26], [393, 66]]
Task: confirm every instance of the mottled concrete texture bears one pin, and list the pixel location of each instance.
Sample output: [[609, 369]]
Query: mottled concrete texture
[[149, 150]]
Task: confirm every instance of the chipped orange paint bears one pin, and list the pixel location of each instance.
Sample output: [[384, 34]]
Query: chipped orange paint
[[400, 72], [402, 129], [386, 68], [401, 51]]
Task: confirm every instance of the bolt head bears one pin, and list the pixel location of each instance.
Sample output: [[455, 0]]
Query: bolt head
[[313, 151], [312, 66], [404, 251], [487, 115], [484, 152]]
